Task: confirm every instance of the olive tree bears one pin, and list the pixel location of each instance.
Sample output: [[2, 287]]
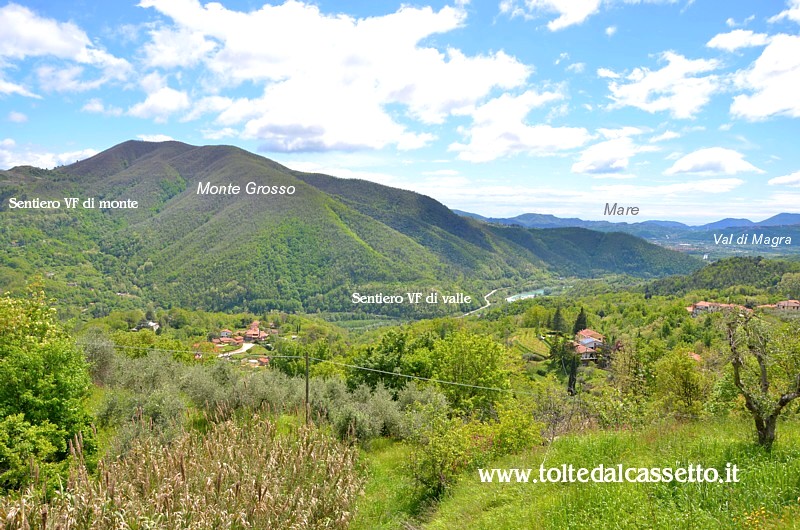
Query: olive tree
[[766, 369]]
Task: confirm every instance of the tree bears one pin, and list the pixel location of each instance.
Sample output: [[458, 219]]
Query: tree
[[582, 322], [766, 369], [790, 284], [558, 321], [43, 380], [562, 351], [475, 363], [680, 383]]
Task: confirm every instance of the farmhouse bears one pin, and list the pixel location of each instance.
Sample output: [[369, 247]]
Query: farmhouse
[[587, 343], [788, 305], [712, 307]]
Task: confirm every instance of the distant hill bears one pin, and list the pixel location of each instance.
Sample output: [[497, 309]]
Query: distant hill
[[738, 271], [302, 252], [726, 223], [534, 220]]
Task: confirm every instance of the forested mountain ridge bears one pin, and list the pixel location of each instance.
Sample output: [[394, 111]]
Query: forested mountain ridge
[[303, 251]]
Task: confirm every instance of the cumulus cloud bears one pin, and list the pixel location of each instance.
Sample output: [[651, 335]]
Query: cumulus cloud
[[712, 161], [676, 87], [606, 73], [609, 157], [772, 79], [155, 137], [161, 102], [570, 12], [663, 137], [611, 31], [12, 155], [792, 180], [793, 13], [738, 38], [24, 34], [499, 129], [332, 96], [576, 68], [96, 106]]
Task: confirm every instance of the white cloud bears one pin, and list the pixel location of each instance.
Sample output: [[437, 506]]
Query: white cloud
[[712, 161], [793, 13], [675, 88], [24, 34], [570, 12], [665, 136], [609, 157], [499, 129], [773, 79], [336, 96], [631, 192], [8, 88], [611, 31], [155, 138], [180, 47], [622, 132], [731, 22], [161, 102], [576, 68], [206, 105], [738, 38], [606, 73], [12, 155], [17, 117], [96, 106], [792, 180], [218, 134]]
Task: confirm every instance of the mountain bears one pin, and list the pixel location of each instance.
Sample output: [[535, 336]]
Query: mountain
[[535, 220], [302, 251], [726, 223], [782, 219]]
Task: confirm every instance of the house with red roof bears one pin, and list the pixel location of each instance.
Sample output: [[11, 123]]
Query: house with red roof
[[588, 343], [788, 305], [702, 307]]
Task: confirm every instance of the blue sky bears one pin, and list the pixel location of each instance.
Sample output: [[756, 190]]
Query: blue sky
[[689, 110]]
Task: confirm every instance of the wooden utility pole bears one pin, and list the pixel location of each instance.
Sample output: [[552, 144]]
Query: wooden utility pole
[[307, 404]]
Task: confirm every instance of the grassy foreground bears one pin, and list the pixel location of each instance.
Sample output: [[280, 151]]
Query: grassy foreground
[[239, 474], [767, 496]]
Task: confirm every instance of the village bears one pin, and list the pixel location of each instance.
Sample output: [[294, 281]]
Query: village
[[251, 346]]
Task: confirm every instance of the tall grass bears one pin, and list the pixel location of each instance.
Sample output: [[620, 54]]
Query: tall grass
[[767, 496], [239, 474]]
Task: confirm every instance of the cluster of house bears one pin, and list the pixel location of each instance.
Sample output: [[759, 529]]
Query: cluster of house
[[254, 333], [588, 343], [699, 308], [702, 307]]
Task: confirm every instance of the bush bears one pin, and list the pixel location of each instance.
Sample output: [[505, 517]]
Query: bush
[[21, 442]]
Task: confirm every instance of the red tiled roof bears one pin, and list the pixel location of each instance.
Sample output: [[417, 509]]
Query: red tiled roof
[[590, 333]]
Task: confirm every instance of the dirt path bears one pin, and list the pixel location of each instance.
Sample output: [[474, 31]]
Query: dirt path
[[485, 299]]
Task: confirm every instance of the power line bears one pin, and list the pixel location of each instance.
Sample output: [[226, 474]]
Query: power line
[[407, 376], [356, 367]]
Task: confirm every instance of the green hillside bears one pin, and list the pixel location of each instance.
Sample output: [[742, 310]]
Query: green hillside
[[305, 251]]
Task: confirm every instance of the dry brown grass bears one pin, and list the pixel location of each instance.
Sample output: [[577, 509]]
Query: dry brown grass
[[239, 474]]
